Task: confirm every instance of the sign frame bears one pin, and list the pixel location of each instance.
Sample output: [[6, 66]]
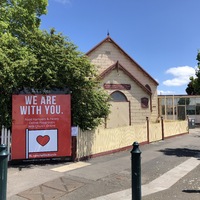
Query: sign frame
[[41, 126]]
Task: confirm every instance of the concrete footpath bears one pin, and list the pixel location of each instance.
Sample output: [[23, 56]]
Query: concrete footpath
[[170, 170]]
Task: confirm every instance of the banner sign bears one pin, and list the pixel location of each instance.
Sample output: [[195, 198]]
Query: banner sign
[[41, 126]]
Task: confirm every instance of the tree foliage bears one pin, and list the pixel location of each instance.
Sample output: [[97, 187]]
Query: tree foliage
[[34, 59], [16, 16], [193, 87]]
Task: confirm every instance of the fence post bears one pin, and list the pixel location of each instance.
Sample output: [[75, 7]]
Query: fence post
[[74, 148], [136, 171], [162, 126], [147, 129], [3, 136], [3, 171]]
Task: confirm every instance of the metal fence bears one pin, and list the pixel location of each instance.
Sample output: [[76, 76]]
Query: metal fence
[[5, 138]]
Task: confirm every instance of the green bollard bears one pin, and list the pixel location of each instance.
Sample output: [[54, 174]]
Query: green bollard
[[136, 171], [3, 171]]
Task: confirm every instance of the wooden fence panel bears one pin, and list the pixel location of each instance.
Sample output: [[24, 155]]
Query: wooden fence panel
[[155, 132], [107, 140], [174, 128], [104, 140]]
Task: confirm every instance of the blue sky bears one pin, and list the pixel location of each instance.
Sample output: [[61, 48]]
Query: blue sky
[[163, 36]]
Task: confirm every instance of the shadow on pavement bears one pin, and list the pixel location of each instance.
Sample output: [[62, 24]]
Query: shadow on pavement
[[197, 136], [191, 191], [182, 152], [28, 164]]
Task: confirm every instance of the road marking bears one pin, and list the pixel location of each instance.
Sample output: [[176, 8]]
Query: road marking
[[168, 179], [71, 167], [163, 182]]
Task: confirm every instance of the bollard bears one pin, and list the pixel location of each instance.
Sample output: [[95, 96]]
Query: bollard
[[136, 171], [3, 171]]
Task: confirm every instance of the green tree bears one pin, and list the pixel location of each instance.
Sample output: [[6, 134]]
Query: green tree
[[190, 90], [15, 15], [193, 87], [34, 59], [15, 62]]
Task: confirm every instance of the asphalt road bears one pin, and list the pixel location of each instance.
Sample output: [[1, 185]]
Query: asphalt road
[[99, 177]]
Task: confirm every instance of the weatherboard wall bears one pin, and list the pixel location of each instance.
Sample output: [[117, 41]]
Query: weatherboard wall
[[105, 56], [134, 95]]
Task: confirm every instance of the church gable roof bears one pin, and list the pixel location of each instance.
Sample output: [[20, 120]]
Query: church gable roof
[[118, 66], [109, 39]]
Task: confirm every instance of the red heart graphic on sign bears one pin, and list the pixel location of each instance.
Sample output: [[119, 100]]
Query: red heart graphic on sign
[[43, 140]]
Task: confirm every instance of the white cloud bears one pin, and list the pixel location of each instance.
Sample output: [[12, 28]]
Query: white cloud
[[181, 75], [162, 92], [63, 1]]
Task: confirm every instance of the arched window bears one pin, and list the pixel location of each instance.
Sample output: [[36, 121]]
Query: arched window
[[120, 114], [148, 87], [118, 97]]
